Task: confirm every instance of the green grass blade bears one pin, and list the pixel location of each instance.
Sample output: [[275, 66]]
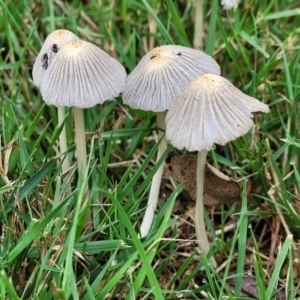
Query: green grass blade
[[152, 250], [242, 242], [210, 43], [286, 247], [116, 278], [34, 232], [160, 25], [147, 269], [35, 180], [8, 285], [177, 23]]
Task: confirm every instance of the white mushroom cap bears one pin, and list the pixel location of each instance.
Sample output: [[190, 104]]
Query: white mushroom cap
[[229, 4], [210, 111], [82, 75], [53, 43], [162, 74]]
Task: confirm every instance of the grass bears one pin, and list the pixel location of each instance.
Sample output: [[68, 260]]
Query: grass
[[48, 251]]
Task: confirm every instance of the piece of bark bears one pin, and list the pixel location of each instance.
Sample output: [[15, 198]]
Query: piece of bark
[[218, 188]]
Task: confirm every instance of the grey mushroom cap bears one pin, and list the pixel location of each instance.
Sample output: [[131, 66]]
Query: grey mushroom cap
[[210, 111], [82, 75], [162, 74], [53, 43]]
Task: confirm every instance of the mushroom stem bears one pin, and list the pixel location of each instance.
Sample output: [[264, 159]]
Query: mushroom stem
[[198, 26], [80, 140], [63, 140], [199, 210], [156, 181]]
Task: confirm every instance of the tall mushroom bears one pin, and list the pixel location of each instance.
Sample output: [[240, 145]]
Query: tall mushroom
[[209, 111], [53, 43], [153, 85], [81, 76]]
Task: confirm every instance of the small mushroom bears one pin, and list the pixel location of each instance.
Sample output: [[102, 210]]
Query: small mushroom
[[153, 85], [53, 43], [81, 76], [211, 111], [229, 4]]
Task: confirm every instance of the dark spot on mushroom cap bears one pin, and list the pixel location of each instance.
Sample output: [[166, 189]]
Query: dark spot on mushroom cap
[[54, 48], [153, 56], [179, 53], [45, 61]]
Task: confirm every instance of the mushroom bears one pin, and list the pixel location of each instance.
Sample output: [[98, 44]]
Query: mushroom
[[211, 111], [81, 76], [153, 85], [229, 4], [53, 43]]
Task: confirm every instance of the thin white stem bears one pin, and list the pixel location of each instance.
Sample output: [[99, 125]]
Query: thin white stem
[[198, 25], [156, 181], [80, 140], [63, 146], [199, 210]]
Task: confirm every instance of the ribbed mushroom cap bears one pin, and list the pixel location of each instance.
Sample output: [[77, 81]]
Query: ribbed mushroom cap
[[53, 43], [210, 111], [82, 75], [161, 75]]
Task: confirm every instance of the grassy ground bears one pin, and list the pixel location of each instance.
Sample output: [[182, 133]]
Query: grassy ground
[[49, 251]]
